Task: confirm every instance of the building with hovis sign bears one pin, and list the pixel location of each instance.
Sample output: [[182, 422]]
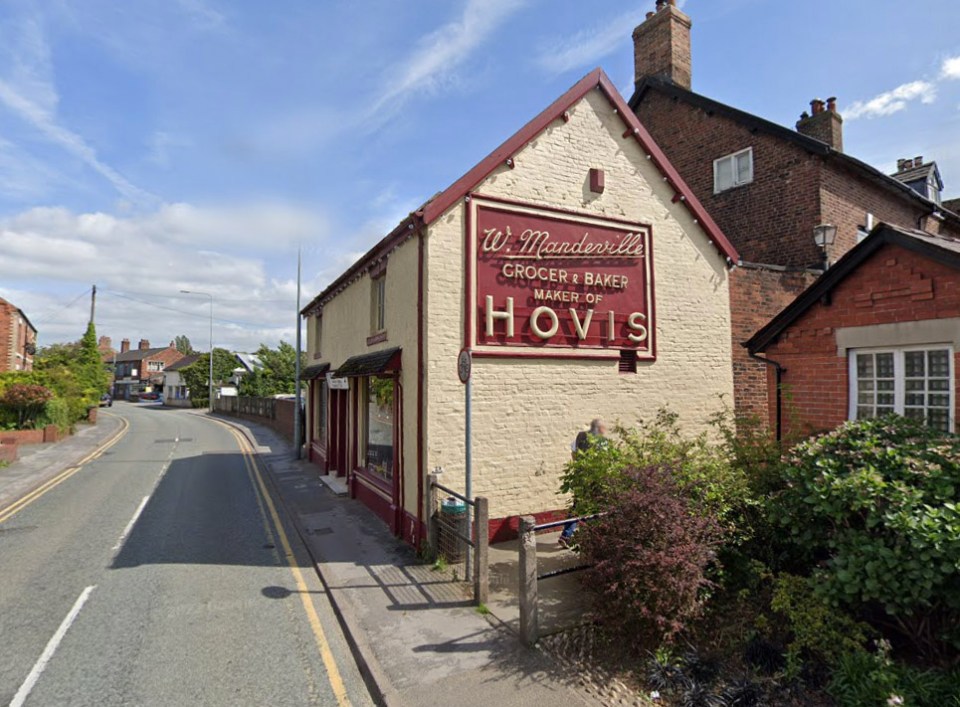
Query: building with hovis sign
[[585, 278]]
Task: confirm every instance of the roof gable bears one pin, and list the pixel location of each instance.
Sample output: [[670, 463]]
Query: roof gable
[[938, 248], [439, 204], [802, 141]]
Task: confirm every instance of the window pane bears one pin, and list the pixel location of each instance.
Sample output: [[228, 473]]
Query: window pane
[[913, 363], [939, 364], [887, 385], [379, 420], [885, 399], [864, 413], [885, 365], [939, 384], [914, 399], [724, 178], [914, 413], [865, 365], [939, 419], [744, 168], [884, 411], [915, 384], [940, 401]]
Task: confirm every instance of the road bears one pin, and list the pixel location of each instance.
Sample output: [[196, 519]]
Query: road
[[157, 575]]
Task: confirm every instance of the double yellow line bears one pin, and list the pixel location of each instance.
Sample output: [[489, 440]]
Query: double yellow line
[[264, 499], [24, 501]]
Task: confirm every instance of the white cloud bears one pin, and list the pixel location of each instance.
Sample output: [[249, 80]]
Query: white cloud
[[27, 89], [141, 262], [951, 68], [893, 101], [439, 53], [587, 47]]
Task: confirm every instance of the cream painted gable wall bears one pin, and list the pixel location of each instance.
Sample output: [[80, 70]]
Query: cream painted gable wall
[[526, 412]]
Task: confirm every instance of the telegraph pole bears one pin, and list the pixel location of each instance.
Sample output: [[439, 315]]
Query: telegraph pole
[[93, 303], [297, 441]]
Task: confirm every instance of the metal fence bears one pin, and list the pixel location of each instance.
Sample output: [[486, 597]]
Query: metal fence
[[530, 576], [459, 535]]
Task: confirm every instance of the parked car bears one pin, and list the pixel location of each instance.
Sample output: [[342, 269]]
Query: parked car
[[106, 400], [150, 396]]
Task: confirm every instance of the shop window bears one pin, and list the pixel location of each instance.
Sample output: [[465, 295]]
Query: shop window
[[915, 383], [320, 412], [379, 418], [733, 170], [378, 300]]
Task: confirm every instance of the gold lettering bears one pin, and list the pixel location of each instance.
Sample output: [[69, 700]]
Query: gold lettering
[[582, 328], [493, 315], [633, 321], [535, 322]]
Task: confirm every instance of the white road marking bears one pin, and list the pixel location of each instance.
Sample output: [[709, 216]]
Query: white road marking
[[51, 648], [126, 530]]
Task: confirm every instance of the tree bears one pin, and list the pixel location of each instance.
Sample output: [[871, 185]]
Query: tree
[[182, 344], [74, 372], [196, 376], [277, 373]]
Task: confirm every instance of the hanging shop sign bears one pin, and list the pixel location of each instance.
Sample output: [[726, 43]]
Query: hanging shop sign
[[558, 281]]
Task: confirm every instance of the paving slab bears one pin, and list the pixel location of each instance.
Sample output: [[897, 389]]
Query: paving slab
[[416, 634], [38, 463]]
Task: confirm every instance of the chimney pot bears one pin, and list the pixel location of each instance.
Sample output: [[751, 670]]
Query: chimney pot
[[823, 123], [124, 345], [650, 14], [143, 345], [918, 161]]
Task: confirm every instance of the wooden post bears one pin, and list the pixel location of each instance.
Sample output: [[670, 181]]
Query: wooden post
[[433, 530], [529, 621], [481, 579]]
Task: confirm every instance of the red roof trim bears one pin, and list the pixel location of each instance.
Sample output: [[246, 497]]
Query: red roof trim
[[437, 206], [595, 79]]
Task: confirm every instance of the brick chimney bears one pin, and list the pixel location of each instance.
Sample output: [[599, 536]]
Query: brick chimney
[[661, 46], [823, 123], [143, 345], [124, 345], [105, 343]]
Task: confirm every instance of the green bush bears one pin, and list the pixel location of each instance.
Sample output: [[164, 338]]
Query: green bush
[[863, 679], [56, 412], [872, 505], [818, 629]]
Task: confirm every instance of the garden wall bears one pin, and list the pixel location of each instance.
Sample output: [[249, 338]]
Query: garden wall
[[277, 414]]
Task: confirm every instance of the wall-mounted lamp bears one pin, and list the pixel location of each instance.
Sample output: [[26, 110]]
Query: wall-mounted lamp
[[824, 236]]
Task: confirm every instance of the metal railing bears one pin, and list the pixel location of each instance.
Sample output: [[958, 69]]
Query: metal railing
[[457, 541], [530, 577]]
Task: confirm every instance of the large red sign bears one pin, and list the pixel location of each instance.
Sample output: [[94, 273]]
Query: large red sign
[[558, 281]]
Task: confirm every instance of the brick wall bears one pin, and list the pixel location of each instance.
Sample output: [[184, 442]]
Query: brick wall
[[270, 412], [894, 285], [15, 334], [771, 219], [756, 296], [167, 356]]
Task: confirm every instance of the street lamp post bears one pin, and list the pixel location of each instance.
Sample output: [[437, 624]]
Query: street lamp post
[[207, 294]]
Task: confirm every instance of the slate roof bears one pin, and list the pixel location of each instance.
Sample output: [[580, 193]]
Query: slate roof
[[182, 363], [917, 174], [370, 364], [139, 354], [806, 142], [939, 248]]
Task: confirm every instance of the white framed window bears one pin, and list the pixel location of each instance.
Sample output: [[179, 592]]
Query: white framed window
[[733, 170], [154, 366], [916, 382]]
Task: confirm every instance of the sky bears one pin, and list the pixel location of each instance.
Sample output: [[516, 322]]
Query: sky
[[154, 146]]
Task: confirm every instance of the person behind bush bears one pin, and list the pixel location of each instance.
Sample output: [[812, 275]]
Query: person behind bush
[[584, 440]]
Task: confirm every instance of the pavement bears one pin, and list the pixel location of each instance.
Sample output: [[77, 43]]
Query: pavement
[[414, 631], [161, 573], [39, 463]]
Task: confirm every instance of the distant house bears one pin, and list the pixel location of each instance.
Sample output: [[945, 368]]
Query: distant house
[[141, 370], [175, 391], [18, 339]]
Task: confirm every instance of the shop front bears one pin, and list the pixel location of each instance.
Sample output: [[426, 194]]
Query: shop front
[[584, 277]]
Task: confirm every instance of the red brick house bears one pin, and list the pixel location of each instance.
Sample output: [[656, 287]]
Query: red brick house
[[769, 186], [18, 339], [878, 333], [140, 369]]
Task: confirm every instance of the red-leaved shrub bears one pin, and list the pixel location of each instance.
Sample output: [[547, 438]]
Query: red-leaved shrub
[[649, 554], [26, 401]]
